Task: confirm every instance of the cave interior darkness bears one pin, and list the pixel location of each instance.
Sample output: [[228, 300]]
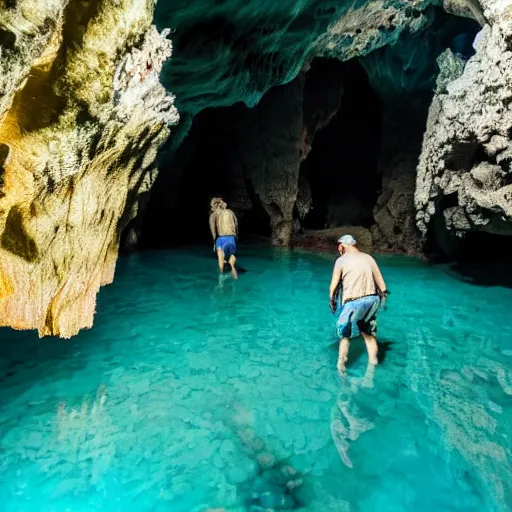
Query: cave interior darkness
[[351, 141], [342, 167]]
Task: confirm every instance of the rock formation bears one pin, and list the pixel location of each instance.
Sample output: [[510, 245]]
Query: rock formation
[[464, 180], [235, 51], [404, 76], [82, 117], [276, 136]]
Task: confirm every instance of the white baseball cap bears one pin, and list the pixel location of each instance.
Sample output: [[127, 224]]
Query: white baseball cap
[[347, 240]]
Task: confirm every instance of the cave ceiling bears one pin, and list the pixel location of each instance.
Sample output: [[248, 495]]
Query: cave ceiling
[[234, 51]]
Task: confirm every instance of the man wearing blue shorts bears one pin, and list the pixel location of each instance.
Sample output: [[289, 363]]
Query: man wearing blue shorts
[[363, 291], [224, 228]]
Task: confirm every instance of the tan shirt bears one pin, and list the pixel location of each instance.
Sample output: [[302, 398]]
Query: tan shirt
[[359, 271]]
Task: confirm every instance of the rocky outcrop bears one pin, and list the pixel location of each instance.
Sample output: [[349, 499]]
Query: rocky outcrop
[[235, 51], [83, 115], [464, 180], [404, 76], [276, 136]]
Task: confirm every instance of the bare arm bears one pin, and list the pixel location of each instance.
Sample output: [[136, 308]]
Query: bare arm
[[335, 281], [377, 276], [213, 224], [235, 220]]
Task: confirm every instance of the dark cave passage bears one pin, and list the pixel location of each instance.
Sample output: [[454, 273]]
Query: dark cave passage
[[206, 165], [339, 170], [342, 168], [337, 146]]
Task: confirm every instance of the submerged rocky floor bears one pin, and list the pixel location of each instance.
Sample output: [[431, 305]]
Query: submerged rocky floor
[[194, 393]]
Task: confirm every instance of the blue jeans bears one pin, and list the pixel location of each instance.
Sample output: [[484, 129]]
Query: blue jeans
[[358, 316]]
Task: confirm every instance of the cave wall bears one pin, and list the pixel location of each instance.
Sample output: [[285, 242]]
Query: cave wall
[[82, 117], [404, 76], [83, 114], [464, 180]]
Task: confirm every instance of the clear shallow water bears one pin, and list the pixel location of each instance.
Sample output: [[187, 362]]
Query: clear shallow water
[[193, 393]]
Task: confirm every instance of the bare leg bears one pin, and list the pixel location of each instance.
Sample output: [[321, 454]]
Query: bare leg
[[232, 262], [343, 354], [371, 347], [220, 256]]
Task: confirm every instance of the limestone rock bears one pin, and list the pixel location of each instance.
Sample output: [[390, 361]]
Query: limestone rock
[[450, 68], [84, 116], [464, 172]]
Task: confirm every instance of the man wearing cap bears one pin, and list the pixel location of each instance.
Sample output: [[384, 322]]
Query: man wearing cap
[[363, 291], [224, 228]]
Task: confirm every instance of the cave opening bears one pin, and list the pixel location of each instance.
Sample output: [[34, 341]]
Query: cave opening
[[342, 167], [208, 164], [337, 144]]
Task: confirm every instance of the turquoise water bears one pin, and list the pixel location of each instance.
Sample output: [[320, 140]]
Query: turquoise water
[[193, 393]]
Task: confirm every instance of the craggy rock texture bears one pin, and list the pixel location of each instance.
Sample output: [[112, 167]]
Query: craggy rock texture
[[465, 173], [83, 117], [404, 76], [277, 138], [235, 51]]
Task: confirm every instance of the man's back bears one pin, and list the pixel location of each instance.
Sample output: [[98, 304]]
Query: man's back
[[357, 274], [225, 222]]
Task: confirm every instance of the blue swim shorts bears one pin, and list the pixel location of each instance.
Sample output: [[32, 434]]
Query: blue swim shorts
[[358, 316], [227, 244]]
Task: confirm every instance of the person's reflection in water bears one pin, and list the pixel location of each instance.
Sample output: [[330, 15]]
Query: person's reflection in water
[[346, 421], [225, 287], [86, 434]]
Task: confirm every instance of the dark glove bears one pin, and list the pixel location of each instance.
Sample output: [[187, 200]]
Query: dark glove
[[333, 304], [383, 296]]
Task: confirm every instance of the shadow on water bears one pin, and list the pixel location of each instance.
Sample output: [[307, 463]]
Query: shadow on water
[[24, 349], [29, 363], [384, 347], [482, 259], [486, 274]]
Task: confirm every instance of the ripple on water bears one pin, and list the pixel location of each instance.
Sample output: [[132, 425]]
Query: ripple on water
[[194, 393]]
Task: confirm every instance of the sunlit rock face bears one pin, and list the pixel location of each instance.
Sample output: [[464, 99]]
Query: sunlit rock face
[[82, 117], [464, 180]]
